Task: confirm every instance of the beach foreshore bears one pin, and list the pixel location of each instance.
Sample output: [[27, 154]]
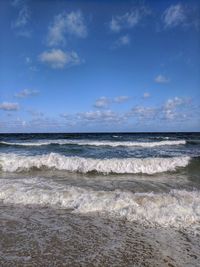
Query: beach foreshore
[[43, 236]]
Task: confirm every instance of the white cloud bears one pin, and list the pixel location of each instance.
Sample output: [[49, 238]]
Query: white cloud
[[22, 20], [173, 109], [100, 116], [121, 99], [171, 105], [127, 20], [161, 79], [123, 41], [146, 95], [102, 102], [27, 93], [58, 59], [8, 106], [169, 114], [23, 17], [66, 23], [30, 64], [143, 112], [174, 102], [174, 16]]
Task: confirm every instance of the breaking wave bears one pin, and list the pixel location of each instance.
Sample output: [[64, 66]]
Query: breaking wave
[[13, 162], [176, 208], [96, 143]]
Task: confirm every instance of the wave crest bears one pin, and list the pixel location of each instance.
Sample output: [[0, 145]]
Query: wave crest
[[12, 162], [98, 143]]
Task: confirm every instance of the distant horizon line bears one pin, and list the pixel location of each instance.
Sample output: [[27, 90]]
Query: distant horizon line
[[101, 132]]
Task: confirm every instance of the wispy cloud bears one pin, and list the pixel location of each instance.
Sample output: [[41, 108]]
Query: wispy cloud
[[30, 64], [174, 109], [127, 20], [23, 18], [8, 106], [105, 102], [123, 40], [181, 15], [176, 101], [146, 95], [100, 116], [174, 16], [72, 23], [140, 112], [27, 93], [170, 107], [102, 102], [161, 79], [121, 99], [58, 59]]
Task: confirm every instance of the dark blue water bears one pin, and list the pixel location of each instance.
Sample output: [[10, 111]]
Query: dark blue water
[[98, 145], [121, 154]]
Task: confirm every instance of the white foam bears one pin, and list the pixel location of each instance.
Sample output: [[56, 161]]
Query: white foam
[[36, 143], [98, 143], [176, 208], [132, 144], [13, 162]]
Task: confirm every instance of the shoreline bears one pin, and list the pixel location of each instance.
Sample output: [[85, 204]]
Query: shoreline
[[35, 236]]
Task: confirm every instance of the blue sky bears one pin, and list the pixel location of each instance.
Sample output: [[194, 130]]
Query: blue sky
[[78, 66]]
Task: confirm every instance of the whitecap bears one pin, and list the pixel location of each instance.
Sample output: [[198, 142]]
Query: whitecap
[[10, 162], [97, 143]]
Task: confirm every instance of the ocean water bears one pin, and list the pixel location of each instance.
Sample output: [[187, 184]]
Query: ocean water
[[112, 199]]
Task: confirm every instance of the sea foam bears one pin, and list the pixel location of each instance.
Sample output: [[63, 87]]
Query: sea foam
[[13, 162], [178, 208]]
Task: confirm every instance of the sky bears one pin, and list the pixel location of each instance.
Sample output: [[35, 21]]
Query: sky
[[99, 66]]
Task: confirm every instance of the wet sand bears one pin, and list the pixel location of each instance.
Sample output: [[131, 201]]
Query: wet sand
[[35, 236]]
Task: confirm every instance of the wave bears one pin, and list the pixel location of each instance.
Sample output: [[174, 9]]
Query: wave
[[38, 143], [13, 162], [96, 143], [133, 144], [176, 208]]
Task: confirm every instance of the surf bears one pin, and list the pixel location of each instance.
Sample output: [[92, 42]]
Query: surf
[[10, 162], [177, 208]]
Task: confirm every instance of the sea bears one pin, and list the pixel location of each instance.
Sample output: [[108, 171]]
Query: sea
[[100, 199]]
